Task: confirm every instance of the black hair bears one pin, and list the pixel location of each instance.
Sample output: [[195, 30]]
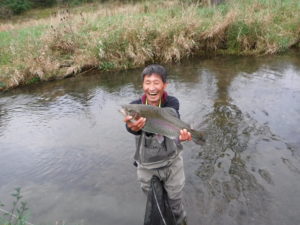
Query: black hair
[[157, 69]]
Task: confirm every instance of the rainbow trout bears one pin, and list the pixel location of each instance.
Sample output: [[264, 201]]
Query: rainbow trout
[[160, 121]]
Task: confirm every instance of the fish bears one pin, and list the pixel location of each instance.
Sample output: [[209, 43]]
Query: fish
[[160, 121]]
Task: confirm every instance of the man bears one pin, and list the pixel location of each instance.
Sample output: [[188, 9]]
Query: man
[[155, 154]]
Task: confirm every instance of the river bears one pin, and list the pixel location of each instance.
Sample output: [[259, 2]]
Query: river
[[65, 145]]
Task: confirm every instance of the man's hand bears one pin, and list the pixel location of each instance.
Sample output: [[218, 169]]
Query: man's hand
[[136, 125], [185, 135]]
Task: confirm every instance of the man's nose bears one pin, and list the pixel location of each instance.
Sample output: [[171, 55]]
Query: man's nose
[[152, 87]]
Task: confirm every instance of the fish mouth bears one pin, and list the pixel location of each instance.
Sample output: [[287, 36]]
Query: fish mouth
[[123, 111]]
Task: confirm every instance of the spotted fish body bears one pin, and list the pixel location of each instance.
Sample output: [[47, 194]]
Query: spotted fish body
[[160, 121]]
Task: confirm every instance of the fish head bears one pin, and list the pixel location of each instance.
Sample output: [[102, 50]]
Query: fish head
[[130, 110]]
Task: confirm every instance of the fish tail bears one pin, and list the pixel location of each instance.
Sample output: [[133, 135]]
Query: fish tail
[[198, 137]]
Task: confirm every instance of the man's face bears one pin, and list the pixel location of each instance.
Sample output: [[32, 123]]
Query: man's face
[[153, 88]]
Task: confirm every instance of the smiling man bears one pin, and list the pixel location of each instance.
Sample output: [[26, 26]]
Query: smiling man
[[155, 154]]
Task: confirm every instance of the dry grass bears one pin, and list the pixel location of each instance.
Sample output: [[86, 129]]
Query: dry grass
[[118, 36]]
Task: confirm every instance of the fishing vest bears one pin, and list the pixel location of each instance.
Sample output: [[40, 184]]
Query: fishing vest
[[156, 151]]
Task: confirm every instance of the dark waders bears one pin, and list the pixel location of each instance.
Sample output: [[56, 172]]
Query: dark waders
[[158, 210]]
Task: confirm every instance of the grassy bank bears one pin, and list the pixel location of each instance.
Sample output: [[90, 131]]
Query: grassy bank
[[121, 36]]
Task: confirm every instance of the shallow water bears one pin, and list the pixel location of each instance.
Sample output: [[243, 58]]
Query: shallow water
[[65, 145]]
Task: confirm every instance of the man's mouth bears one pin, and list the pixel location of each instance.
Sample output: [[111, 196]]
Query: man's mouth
[[153, 93]]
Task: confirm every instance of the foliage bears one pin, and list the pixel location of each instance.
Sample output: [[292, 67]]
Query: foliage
[[43, 3], [17, 215], [9, 7], [17, 6]]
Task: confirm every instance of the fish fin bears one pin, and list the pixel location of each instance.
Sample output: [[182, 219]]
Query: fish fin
[[198, 136]]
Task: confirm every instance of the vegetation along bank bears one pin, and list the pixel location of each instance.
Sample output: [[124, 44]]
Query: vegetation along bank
[[116, 36]]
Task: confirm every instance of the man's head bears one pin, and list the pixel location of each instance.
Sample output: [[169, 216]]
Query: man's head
[[155, 69], [154, 83]]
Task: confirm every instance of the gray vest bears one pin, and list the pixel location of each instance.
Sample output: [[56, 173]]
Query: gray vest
[[155, 151]]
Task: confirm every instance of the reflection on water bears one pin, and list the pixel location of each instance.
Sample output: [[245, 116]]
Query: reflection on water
[[224, 168], [65, 144]]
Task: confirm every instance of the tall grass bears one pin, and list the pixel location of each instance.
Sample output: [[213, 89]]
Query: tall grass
[[121, 36]]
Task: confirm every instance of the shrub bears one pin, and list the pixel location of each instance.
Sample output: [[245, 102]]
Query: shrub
[[43, 3], [5, 12], [17, 6]]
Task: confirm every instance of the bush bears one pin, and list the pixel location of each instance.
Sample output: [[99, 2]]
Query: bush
[[17, 6], [5, 12], [43, 3]]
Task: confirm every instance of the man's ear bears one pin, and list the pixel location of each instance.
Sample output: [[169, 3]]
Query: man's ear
[[165, 85]]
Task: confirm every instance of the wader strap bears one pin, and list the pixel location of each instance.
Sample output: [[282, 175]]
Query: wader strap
[[138, 149]]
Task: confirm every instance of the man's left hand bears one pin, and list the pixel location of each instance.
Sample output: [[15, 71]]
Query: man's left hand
[[185, 135]]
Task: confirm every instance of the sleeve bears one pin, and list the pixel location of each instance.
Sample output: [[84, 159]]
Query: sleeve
[[133, 132], [173, 103]]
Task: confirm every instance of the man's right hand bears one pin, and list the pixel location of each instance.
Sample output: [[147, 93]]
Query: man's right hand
[[136, 125]]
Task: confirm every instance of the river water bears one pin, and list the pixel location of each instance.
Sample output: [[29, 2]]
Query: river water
[[65, 145]]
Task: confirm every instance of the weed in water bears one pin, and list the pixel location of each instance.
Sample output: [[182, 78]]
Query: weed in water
[[17, 215]]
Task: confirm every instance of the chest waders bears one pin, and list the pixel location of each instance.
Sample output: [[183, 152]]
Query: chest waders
[[158, 210], [153, 150]]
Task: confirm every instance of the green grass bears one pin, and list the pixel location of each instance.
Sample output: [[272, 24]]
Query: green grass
[[15, 42], [5, 38], [20, 36]]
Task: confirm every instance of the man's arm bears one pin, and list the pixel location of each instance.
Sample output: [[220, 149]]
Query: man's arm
[[174, 103]]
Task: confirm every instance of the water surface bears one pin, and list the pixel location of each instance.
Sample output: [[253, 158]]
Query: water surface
[[65, 145]]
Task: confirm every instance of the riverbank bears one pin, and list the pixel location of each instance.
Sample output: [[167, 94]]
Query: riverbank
[[122, 36]]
